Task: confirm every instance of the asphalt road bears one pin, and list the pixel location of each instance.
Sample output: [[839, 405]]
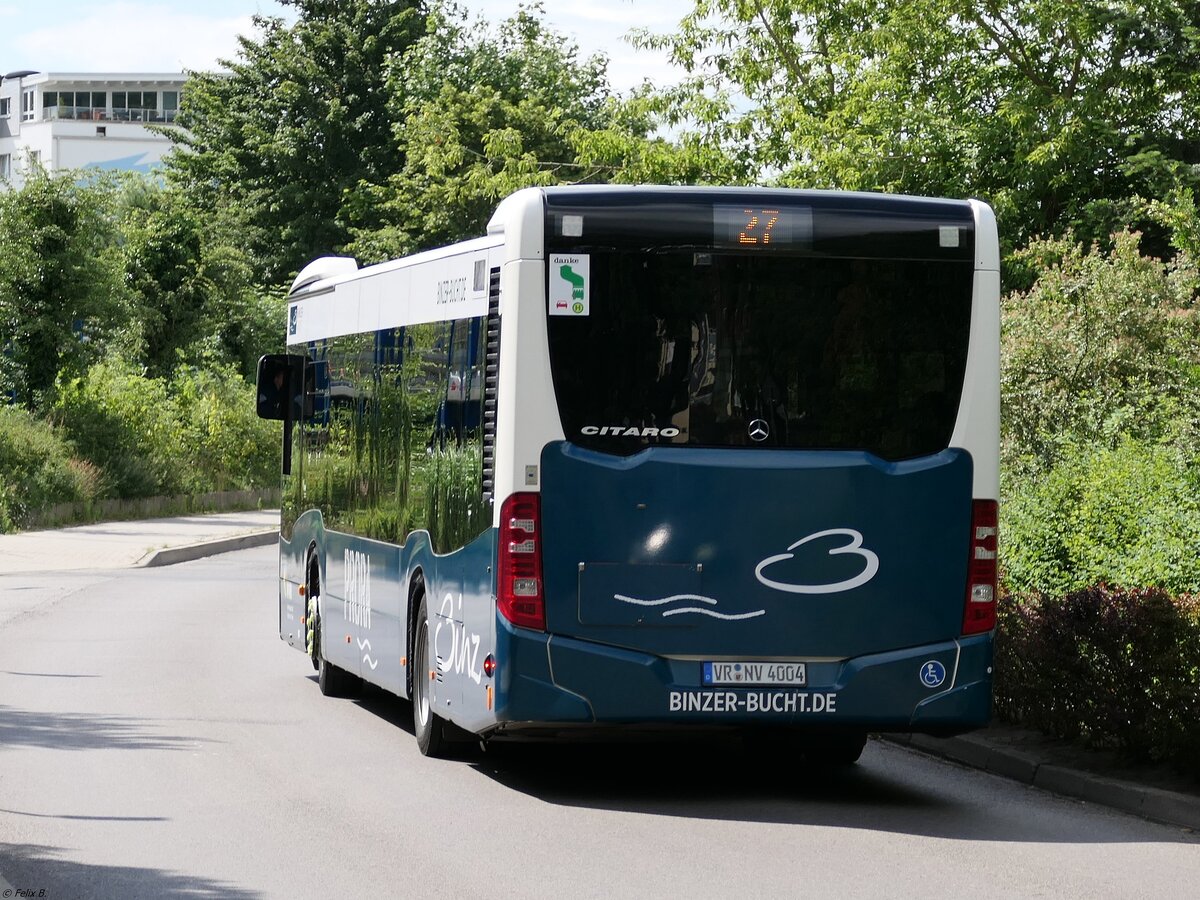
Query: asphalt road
[[158, 740]]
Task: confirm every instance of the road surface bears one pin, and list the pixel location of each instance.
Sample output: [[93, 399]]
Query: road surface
[[158, 740]]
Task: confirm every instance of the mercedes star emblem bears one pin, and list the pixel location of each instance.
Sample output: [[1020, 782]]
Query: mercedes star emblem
[[759, 430]]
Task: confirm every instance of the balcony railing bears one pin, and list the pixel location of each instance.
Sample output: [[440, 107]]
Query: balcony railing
[[103, 114]]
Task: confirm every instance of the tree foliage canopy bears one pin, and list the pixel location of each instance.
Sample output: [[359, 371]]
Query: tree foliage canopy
[[300, 118], [478, 115], [379, 128], [62, 297], [481, 112], [1061, 114]]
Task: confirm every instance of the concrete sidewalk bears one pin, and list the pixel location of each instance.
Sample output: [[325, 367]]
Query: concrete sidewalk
[[148, 542], [1005, 751], [1060, 768]]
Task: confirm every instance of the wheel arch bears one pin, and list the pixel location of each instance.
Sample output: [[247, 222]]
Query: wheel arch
[[314, 571], [416, 589]]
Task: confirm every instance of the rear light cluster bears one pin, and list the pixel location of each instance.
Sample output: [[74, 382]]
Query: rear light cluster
[[519, 585], [979, 614]]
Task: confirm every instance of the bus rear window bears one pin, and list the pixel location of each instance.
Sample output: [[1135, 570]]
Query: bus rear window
[[704, 347]]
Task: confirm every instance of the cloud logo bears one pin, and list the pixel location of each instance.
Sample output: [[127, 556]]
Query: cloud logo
[[855, 546]]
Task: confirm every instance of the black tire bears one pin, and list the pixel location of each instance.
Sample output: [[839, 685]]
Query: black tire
[[428, 726], [836, 749], [332, 681]]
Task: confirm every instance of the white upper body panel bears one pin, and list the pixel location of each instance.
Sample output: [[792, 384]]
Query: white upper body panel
[[447, 283]]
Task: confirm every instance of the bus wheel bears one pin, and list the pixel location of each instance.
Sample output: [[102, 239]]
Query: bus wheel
[[311, 638], [334, 682], [835, 749], [427, 725]]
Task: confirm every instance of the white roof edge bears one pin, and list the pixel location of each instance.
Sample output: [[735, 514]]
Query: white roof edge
[[513, 207], [738, 189], [467, 246], [987, 239], [326, 271], [323, 268], [39, 77]]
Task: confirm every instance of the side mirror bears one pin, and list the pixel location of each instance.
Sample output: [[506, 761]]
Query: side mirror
[[280, 387]]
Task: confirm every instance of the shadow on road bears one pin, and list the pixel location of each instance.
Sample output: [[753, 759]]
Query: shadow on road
[[385, 705], [889, 790], [74, 818], [705, 778], [33, 868], [718, 777], [45, 675], [82, 731]]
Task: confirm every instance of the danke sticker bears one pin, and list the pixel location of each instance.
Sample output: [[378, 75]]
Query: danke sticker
[[570, 284]]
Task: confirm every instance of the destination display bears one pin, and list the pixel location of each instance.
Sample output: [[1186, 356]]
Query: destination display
[[762, 227]]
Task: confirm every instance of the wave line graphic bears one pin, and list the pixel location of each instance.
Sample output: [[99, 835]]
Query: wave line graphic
[[365, 644], [670, 599], [728, 617], [714, 614]]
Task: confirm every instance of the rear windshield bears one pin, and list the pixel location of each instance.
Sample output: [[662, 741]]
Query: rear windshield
[[700, 342]]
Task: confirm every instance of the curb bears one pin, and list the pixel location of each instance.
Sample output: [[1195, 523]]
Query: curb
[[1168, 807], [168, 556]]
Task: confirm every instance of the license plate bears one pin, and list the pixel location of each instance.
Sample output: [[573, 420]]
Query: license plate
[[755, 672]]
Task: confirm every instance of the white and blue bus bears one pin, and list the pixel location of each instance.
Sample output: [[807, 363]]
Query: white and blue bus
[[653, 457]]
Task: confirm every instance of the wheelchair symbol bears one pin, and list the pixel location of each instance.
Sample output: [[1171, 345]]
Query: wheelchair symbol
[[933, 673]]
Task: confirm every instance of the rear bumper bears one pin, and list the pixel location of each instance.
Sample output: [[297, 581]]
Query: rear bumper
[[550, 680]]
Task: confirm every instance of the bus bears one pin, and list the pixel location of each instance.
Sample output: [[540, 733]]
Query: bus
[[652, 458]]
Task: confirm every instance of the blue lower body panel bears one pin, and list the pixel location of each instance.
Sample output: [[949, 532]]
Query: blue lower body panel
[[549, 680]]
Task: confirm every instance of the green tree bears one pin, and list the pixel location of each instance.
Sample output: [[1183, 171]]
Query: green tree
[[1061, 114], [192, 288], [161, 252], [302, 116], [482, 112], [62, 300]]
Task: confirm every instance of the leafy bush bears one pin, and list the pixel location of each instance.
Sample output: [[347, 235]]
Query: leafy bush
[[226, 445], [1116, 668], [1128, 515], [1104, 343], [37, 468], [150, 436], [124, 423]]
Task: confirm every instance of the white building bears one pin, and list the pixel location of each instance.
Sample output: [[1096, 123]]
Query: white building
[[79, 121]]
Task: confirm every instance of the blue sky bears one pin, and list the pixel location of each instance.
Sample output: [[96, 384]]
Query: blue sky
[[170, 35]]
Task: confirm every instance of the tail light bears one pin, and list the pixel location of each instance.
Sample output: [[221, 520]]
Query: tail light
[[519, 587], [979, 613]]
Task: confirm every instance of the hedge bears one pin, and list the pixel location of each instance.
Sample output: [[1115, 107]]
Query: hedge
[[1116, 668], [38, 467]]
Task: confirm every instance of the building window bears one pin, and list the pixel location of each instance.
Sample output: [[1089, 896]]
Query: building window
[[3, 107], [135, 106], [27, 105], [5, 166], [74, 105], [170, 105]]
